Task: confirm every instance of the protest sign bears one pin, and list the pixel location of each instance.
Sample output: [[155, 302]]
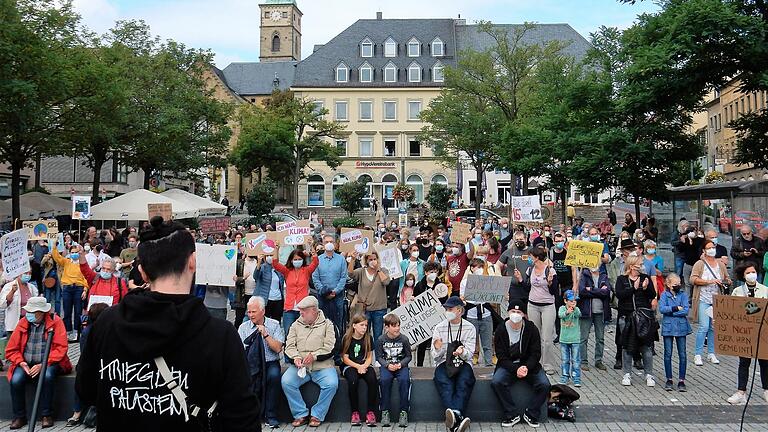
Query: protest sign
[[256, 243], [487, 289], [389, 259], [164, 210], [526, 208], [216, 264], [737, 326], [299, 233], [214, 225], [419, 316], [583, 254], [81, 207], [15, 258], [356, 240], [92, 300], [41, 229], [460, 232]]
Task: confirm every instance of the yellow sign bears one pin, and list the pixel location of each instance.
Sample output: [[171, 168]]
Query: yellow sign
[[583, 254]]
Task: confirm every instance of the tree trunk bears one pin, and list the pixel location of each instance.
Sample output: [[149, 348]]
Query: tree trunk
[[478, 190], [296, 175], [15, 192], [637, 210], [147, 175], [96, 183], [38, 161], [563, 206]]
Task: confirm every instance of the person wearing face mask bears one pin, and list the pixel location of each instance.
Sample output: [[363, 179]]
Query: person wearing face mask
[[458, 261], [747, 273], [675, 327], [371, 297], [677, 246], [518, 349], [443, 235], [128, 254], [595, 306], [14, 296], [721, 251], [330, 281], [708, 277], [95, 256], [545, 238], [266, 283], [477, 237], [432, 277], [406, 294], [567, 276], [480, 314], [297, 276], [440, 255], [411, 264], [514, 262], [653, 265], [104, 283], [73, 287], [690, 245], [541, 283], [426, 243], [748, 249]]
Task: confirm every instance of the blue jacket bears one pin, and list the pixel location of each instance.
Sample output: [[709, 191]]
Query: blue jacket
[[263, 277], [603, 291], [330, 275], [674, 322], [404, 268]]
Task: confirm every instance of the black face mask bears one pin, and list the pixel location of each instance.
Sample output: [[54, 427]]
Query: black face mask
[[520, 245], [676, 288]]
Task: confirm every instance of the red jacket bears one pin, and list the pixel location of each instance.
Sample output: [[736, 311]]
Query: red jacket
[[103, 287], [296, 282], [14, 351]]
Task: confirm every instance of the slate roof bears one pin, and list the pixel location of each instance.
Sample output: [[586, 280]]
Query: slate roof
[[255, 78], [469, 37]]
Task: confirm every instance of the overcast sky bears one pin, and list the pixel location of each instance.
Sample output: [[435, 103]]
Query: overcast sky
[[230, 28]]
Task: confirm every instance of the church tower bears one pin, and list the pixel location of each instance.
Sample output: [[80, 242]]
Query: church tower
[[280, 31]]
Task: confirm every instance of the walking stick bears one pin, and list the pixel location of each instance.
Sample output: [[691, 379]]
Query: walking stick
[[40, 379]]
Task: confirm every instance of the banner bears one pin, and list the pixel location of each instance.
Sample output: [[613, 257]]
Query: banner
[[356, 240], [216, 264], [164, 210], [214, 225], [737, 325], [15, 258], [41, 229], [584, 254], [460, 232], [389, 259], [259, 244], [526, 209], [81, 207], [419, 316], [487, 289]]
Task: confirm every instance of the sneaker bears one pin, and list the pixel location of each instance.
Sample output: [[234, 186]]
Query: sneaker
[[681, 387], [697, 360], [765, 395], [370, 419], [650, 381], [669, 386], [403, 419], [627, 380], [577, 383], [600, 366], [713, 359], [385, 419], [531, 420], [585, 366], [510, 422], [450, 419], [738, 398], [464, 425], [355, 419], [273, 424]]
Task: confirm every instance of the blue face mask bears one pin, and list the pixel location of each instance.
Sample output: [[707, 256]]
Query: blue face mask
[[530, 261], [297, 263], [30, 316], [595, 238], [650, 251], [25, 278], [714, 240], [74, 256], [560, 245], [105, 274]]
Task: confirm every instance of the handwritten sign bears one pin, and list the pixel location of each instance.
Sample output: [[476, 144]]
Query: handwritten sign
[[419, 316], [356, 240], [389, 257], [164, 210], [526, 209], [487, 289], [15, 258], [214, 225], [299, 233], [258, 245], [216, 264], [92, 300], [583, 254], [460, 232], [81, 207], [737, 321], [41, 229]]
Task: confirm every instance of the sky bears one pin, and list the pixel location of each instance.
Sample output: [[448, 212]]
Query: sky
[[230, 28]]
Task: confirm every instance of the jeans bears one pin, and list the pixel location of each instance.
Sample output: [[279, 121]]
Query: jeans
[[598, 320], [71, 298], [455, 392], [53, 296], [502, 385], [327, 379], [705, 330], [353, 378], [681, 356], [679, 264], [334, 310], [376, 322], [646, 353], [19, 394], [484, 331], [403, 376], [571, 362], [272, 374], [743, 376], [543, 317]]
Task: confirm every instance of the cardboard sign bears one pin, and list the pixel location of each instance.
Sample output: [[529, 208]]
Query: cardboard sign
[[526, 209], [584, 254], [259, 245], [299, 233], [356, 240], [41, 229], [216, 264], [389, 259], [215, 225], [419, 316], [92, 300], [460, 232], [164, 210], [15, 258], [81, 207], [736, 322], [487, 289]]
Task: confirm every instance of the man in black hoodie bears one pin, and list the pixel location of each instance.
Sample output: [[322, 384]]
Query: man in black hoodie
[[518, 350], [158, 360]]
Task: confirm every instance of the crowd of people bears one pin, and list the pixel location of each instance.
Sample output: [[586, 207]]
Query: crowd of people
[[303, 311]]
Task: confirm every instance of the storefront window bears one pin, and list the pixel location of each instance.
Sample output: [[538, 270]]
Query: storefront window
[[315, 191], [417, 184], [338, 180]]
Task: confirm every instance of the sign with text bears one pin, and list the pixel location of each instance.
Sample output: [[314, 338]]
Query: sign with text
[[81, 207], [460, 232], [356, 240], [41, 229], [487, 289], [15, 258], [584, 254], [216, 264], [389, 258], [164, 210], [299, 233], [526, 209], [259, 244], [214, 225], [107, 300], [737, 325], [419, 316]]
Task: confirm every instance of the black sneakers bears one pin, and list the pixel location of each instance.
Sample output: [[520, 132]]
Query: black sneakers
[[510, 421], [531, 420]]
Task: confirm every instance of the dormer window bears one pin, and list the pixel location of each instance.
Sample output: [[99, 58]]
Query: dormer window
[[342, 73], [414, 72], [438, 48], [366, 48], [390, 48], [390, 73], [414, 48], [437, 72], [366, 73]]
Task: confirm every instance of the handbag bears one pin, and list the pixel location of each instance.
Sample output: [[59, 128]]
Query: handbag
[[49, 282], [452, 361]]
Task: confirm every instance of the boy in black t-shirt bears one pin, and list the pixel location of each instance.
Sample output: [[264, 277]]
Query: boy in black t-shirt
[[393, 350]]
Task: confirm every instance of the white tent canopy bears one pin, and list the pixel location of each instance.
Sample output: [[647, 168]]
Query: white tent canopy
[[204, 206], [133, 206]]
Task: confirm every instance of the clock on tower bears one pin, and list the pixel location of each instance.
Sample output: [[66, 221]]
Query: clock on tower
[[280, 33]]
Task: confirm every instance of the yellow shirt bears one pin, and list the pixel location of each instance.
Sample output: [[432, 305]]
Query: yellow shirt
[[70, 270]]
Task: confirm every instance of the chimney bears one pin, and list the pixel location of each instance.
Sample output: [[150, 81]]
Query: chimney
[[379, 16]]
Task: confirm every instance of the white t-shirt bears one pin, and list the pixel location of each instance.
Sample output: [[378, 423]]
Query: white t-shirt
[[248, 268]]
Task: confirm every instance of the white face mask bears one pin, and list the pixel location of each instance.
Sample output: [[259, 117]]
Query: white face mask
[[450, 315], [692, 234], [750, 277], [456, 251], [329, 247], [633, 254], [515, 317], [409, 282], [431, 277], [414, 254], [711, 252], [269, 259], [478, 271]]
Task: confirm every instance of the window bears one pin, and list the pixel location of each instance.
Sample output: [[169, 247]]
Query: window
[[319, 106], [390, 146], [437, 72], [414, 148], [266, 14], [366, 73], [342, 73], [390, 48], [366, 110], [414, 110], [438, 48], [285, 14], [417, 184], [276, 42], [341, 111], [315, 191], [414, 48], [390, 72], [338, 181], [390, 110], [414, 72], [440, 179], [366, 147], [341, 147], [366, 48]]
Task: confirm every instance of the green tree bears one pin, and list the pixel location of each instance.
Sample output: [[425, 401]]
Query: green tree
[[350, 196], [263, 143], [261, 199], [439, 199]]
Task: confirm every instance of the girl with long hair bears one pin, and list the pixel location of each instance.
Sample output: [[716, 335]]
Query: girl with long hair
[[357, 350]]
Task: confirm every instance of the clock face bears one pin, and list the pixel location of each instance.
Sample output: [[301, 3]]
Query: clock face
[[276, 15]]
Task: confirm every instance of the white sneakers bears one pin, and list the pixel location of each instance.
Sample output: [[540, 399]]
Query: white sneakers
[[627, 380], [697, 360], [740, 397], [650, 381], [713, 359]]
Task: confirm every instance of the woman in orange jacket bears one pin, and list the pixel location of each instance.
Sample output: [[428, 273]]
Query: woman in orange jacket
[[297, 276]]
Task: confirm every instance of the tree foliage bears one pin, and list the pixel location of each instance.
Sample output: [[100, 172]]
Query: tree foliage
[[351, 195], [439, 199], [261, 199], [263, 143]]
